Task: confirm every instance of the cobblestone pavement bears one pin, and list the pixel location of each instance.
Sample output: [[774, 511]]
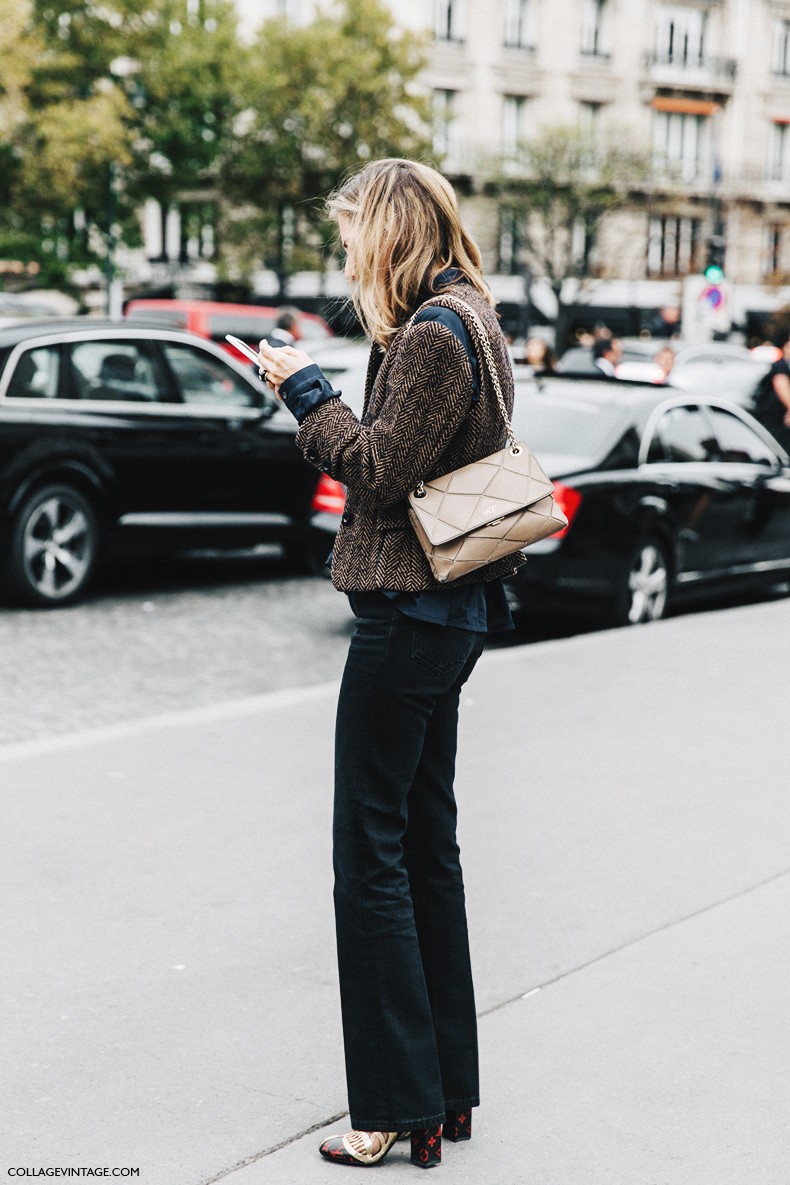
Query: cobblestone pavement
[[167, 636]]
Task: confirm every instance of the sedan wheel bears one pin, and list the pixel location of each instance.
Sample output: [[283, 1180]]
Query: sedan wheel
[[648, 584], [53, 547], [643, 587]]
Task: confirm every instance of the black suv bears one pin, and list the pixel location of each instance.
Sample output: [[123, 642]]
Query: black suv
[[115, 436]]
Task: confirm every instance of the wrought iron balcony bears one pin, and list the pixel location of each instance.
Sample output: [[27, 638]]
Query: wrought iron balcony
[[690, 68]]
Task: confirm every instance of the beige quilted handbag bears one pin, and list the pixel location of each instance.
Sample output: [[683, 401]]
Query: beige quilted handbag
[[477, 514]]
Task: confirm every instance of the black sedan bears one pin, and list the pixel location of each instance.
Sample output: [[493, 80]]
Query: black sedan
[[669, 495], [118, 437]]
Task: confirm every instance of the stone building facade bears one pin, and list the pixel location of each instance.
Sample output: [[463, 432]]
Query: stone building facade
[[701, 86]]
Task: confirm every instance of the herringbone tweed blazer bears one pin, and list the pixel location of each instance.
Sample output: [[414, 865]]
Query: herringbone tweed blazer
[[418, 421]]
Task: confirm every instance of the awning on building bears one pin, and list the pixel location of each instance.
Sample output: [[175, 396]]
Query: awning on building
[[682, 106]]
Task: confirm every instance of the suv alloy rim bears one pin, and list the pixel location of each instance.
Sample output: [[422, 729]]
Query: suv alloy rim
[[58, 548]]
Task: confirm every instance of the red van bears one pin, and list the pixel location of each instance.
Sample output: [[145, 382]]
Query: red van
[[213, 319]]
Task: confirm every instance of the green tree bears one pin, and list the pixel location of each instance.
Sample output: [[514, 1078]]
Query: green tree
[[182, 88], [124, 102], [318, 100], [18, 54], [75, 133], [18, 51], [558, 191]]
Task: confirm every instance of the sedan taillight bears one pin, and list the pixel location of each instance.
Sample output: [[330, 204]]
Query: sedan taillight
[[569, 500], [329, 496]]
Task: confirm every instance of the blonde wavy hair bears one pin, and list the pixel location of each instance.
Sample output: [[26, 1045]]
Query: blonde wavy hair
[[407, 229]]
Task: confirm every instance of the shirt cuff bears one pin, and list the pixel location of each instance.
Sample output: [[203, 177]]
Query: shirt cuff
[[306, 390]]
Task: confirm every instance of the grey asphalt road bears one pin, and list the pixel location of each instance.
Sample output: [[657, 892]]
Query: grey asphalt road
[[169, 994]]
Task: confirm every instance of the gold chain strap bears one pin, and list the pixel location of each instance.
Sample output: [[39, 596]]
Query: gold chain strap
[[489, 357]]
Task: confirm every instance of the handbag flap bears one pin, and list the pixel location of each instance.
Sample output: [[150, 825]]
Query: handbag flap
[[480, 493]]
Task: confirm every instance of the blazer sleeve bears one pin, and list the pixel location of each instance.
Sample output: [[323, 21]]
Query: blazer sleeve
[[427, 399]]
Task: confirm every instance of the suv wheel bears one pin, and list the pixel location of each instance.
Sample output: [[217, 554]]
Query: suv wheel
[[53, 547]]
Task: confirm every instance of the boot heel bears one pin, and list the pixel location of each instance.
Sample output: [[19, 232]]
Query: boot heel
[[458, 1125], [426, 1147]]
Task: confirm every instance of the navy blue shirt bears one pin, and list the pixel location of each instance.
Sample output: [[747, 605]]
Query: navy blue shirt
[[480, 607]]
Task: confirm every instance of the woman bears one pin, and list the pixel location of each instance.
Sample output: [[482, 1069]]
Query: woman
[[540, 356], [407, 1001]]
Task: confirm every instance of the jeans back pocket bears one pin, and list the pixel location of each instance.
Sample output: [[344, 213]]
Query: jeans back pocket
[[444, 649]]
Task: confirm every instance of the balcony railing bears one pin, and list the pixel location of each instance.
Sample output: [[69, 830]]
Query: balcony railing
[[691, 67], [597, 56]]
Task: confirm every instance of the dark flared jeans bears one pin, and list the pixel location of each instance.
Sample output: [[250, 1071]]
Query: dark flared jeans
[[409, 1024]]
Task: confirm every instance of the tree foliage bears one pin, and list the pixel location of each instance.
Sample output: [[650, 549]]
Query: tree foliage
[[559, 190], [141, 94], [104, 105], [565, 180], [18, 53], [184, 99], [320, 99]]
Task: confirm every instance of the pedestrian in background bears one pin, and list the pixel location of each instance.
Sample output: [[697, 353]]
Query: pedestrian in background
[[407, 999], [665, 322], [771, 402], [606, 355], [540, 356], [286, 327], [664, 360]]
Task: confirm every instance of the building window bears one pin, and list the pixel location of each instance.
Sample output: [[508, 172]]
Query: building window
[[582, 246], [780, 58], [679, 142], [446, 139], [593, 20], [590, 120], [779, 152], [513, 124], [509, 241], [448, 20], [772, 250], [673, 246], [518, 27], [680, 36]]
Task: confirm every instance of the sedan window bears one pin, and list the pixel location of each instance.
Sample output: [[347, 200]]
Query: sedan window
[[206, 379], [35, 375], [683, 434], [113, 370], [737, 442], [173, 318]]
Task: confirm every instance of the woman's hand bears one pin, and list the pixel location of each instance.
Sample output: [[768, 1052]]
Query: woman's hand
[[278, 363]]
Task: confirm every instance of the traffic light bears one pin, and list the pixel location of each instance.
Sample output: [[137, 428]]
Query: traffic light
[[714, 267], [712, 307]]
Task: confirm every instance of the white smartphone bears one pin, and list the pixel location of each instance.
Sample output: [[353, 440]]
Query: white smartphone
[[245, 349]]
